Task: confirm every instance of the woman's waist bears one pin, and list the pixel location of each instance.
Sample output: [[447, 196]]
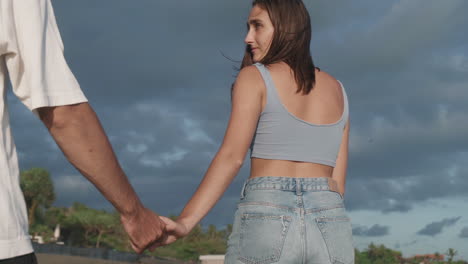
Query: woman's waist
[[293, 184], [286, 168], [289, 193]]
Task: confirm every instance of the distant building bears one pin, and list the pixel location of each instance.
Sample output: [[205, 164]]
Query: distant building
[[212, 259], [427, 258]]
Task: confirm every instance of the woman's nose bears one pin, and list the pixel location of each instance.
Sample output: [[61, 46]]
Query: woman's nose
[[249, 38]]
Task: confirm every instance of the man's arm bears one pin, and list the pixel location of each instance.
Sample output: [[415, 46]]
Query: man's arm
[[77, 131]]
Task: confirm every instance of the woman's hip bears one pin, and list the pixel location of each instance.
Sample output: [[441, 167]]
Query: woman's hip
[[290, 220], [275, 233]]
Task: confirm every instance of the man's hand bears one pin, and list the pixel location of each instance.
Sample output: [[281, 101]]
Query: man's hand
[[144, 228], [174, 230]]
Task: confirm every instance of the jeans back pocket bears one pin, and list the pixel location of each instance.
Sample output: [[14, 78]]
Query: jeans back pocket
[[337, 233], [262, 237]]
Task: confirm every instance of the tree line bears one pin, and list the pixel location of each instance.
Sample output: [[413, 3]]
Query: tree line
[[82, 226]]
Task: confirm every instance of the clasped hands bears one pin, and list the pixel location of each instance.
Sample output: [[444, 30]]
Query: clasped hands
[[147, 230]]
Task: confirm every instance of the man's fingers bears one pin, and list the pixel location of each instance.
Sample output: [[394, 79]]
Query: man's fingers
[[146, 230], [150, 243], [164, 236], [153, 247], [135, 248], [159, 241]]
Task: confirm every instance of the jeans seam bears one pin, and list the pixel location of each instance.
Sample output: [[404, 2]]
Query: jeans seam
[[333, 219], [341, 196], [242, 196], [315, 210], [291, 209]]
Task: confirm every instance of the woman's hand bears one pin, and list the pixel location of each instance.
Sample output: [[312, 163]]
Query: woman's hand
[[174, 231]]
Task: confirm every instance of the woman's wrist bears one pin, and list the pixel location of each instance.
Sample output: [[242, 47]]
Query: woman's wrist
[[187, 222]]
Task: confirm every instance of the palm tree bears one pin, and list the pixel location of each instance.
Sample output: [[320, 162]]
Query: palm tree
[[451, 254]]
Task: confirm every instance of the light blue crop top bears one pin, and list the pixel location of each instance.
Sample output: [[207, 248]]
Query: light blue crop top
[[282, 136]]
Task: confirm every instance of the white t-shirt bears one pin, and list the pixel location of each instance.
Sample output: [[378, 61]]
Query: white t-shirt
[[31, 53]]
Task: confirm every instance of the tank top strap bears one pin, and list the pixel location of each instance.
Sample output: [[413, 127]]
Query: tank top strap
[[270, 86], [345, 105]]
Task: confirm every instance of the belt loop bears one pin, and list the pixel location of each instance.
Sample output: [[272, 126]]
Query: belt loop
[[298, 186], [242, 195]]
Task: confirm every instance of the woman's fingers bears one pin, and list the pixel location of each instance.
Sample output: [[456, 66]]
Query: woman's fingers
[[170, 225], [174, 228]]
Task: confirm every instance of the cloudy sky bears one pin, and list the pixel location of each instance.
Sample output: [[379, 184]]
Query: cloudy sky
[[156, 73]]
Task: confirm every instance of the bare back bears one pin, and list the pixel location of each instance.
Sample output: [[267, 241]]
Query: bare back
[[323, 105]]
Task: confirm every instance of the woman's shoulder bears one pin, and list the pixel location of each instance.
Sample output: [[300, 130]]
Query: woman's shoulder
[[250, 71], [328, 79], [249, 75], [249, 83], [324, 74]]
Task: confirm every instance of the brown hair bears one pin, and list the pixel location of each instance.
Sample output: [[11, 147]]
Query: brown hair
[[291, 40]]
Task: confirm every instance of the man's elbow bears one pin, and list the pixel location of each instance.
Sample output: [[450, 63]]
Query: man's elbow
[[62, 117]]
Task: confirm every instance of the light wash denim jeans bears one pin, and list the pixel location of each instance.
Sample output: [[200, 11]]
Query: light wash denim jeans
[[290, 220]]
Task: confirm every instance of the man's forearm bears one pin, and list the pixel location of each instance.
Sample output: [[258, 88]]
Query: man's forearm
[[80, 136]]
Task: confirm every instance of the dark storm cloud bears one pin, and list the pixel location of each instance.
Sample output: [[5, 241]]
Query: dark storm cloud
[[154, 72], [408, 140], [400, 192], [152, 49], [435, 228], [399, 245], [464, 232], [373, 231]]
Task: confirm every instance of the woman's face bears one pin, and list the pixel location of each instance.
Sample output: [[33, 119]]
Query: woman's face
[[260, 33]]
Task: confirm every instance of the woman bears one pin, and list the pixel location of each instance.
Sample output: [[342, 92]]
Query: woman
[[294, 117]]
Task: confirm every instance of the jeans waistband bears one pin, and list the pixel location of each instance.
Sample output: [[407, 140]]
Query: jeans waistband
[[297, 185]]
